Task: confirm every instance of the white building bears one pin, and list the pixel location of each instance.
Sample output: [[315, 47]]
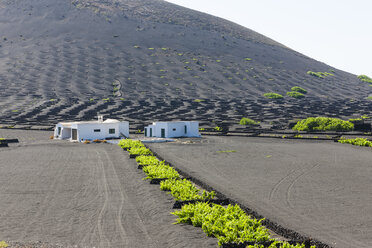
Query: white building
[[173, 129], [91, 130]]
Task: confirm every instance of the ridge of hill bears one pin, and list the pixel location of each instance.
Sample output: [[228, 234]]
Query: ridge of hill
[[160, 11], [151, 60]]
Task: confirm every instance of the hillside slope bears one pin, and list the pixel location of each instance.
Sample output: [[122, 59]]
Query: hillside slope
[[149, 60]]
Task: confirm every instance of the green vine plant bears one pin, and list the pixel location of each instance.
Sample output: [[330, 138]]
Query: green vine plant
[[356, 142], [139, 151], [248, 122], [228, 225], [323, 124], [272, 95], [184, 190], [295, 94], [320, 74], [299, 89], [365, 78], [160, 171]]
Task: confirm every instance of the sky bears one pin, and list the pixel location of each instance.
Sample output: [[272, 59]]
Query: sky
[[336, 32]]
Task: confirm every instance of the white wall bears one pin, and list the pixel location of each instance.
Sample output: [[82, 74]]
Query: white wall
[[64, 134], [56, 131], [86, 130], [193, 129], [124, 128], [159, 126], [148, 131], [174, 129]]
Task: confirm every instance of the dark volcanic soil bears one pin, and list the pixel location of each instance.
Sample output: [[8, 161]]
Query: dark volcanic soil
[[75, 195], [149, 60], [318, 189]]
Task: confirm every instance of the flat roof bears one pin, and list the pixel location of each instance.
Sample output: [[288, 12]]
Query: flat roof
[[172, 121], [108, 121]]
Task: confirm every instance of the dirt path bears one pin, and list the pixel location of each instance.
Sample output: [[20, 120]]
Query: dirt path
[[85, 195], [319, 189]]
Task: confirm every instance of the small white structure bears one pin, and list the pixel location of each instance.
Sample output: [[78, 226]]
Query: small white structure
[[91, 130], [173, 129]]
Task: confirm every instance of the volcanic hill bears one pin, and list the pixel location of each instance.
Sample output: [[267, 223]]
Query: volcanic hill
[[147, 60]]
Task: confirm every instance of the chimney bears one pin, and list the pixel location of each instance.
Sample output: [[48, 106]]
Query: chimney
[[100, 118]]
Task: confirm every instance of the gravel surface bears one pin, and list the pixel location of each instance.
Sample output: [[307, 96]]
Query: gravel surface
[[319, 189], [60, 194]]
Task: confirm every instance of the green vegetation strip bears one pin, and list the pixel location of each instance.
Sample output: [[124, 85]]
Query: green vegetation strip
[[277, 244], [139, 151], [184, 190], [128, 143], [148, 160], [356, 142], [228, 224], [323, 124], [160, 171]]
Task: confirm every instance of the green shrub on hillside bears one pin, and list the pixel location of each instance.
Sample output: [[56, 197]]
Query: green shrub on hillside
[[320, 74], [217, 129], [323, 124], [365, 78], [247, 121], [299, 89], [295, 94], [272, 95]]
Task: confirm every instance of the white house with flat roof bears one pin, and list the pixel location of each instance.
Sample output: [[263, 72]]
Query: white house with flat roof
[[173, 129], [91, 130]]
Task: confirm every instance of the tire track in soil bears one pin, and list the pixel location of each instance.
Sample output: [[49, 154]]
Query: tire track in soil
[[82, 194], [113, 210], [295, 180], [45, 204], [123, 233], [103, 241], [280, 182]]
